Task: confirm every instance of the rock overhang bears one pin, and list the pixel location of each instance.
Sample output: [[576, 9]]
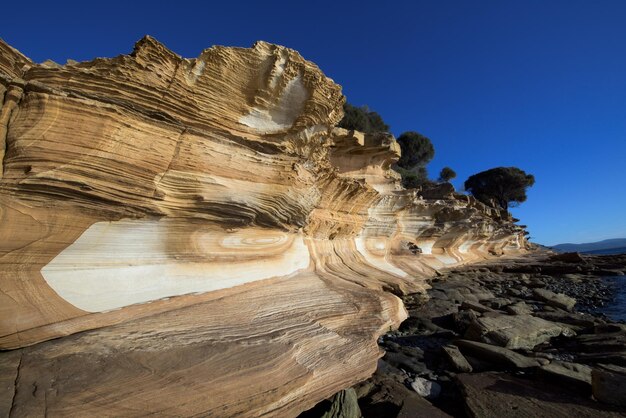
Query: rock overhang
[[147, 197]]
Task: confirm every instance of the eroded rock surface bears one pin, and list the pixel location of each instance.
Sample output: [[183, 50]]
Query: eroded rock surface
[[222, 244]]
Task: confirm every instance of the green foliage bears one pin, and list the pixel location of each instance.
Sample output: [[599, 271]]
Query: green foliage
[[362, 119], [417, 150], [412, 179], [446, 174], [501, 186]]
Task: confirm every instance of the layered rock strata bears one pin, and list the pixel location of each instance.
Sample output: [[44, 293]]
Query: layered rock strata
[[230, 251]]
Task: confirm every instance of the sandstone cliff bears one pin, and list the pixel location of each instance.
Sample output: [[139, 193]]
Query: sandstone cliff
[[228, 251]]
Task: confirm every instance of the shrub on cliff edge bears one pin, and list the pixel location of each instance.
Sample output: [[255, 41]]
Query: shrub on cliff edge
[[446, 174], [500, 186], [417, 150], [362, 119]]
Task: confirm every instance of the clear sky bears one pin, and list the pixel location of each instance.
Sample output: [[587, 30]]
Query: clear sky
[[536, 84]]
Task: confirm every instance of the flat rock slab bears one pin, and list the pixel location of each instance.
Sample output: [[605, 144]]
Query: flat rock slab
[[415, 407], [558, 300], [499, 395], [515, 331], [498, 355], [572, 374]]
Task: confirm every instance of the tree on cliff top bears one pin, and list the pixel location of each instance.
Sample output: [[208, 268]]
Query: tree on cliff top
[[417, 150], [446, 174], [362, 119], [500, 186]]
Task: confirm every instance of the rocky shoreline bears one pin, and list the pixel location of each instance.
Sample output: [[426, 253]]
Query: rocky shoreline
[[515, 337]]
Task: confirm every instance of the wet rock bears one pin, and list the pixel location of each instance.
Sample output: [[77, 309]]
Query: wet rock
[[458, 362], [609, 384], [558, 300], [497, 355], [515, 331]]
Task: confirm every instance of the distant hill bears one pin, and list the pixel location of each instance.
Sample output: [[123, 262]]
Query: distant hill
[[608, 246]]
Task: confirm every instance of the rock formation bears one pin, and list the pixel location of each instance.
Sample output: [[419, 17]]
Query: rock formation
[[226, 249]]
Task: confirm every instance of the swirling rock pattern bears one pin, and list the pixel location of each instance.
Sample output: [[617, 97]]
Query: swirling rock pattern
[[224, 249]]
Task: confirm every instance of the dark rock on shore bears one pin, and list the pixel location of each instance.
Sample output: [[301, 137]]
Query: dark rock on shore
[[506, 339], [500, 395], [609, 384], [499, 358]]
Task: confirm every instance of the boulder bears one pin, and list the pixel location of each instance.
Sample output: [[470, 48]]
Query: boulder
[[515, 331], [425, 388], [558, 300], [456, 359]]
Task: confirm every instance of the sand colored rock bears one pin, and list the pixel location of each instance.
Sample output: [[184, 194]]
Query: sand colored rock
[[210, 229]]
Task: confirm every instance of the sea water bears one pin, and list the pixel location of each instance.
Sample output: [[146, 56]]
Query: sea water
[[616, 309]]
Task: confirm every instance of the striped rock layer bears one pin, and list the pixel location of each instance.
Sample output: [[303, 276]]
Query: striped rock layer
[[201, 237]]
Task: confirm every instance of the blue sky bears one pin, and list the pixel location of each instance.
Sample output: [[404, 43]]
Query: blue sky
[[536, 84]]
